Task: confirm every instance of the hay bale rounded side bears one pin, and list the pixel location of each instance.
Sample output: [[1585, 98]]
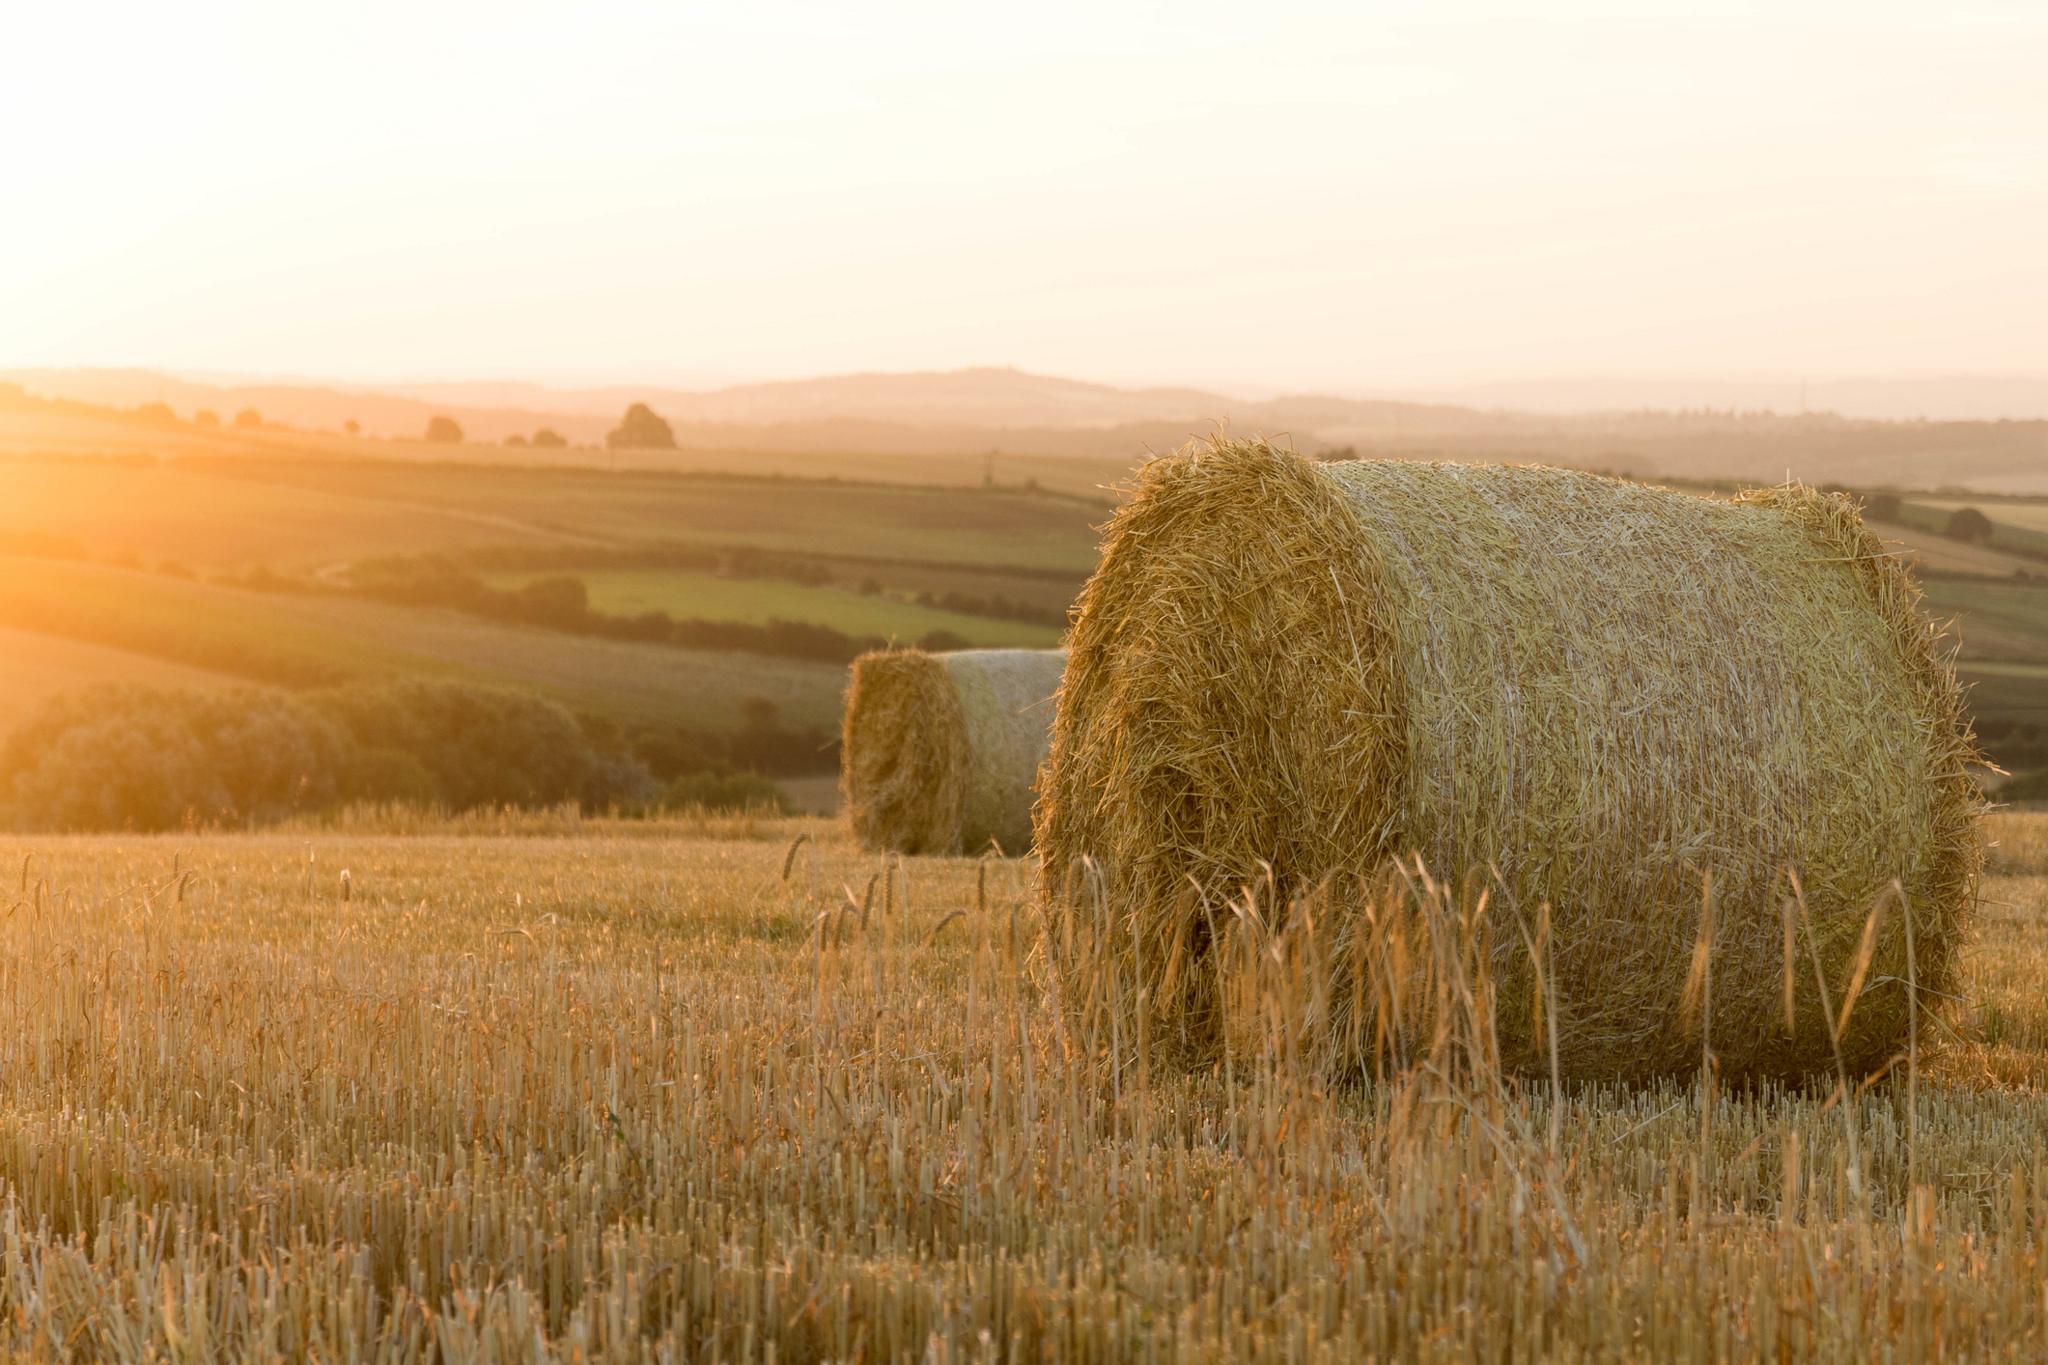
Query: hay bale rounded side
[[940, 752], [1591, 692]]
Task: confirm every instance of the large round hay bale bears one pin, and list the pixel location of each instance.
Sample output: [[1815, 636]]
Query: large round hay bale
[[940, 752], [1587, 692]]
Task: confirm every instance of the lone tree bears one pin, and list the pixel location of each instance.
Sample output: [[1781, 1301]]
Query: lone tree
[[1967, 523], [352, 427], [547, 438], [248, 417], [443, 431], [641, 429]]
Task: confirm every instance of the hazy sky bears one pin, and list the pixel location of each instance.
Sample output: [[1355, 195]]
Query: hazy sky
[[1346, 196]]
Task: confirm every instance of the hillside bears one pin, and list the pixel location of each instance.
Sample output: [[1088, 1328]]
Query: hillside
[[681, 588], [969, 413], [297, 571], [42, 666], [296, 639]]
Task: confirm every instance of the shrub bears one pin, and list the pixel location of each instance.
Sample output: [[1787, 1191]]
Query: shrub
[[1968, 524], [558, 599], [676, 751], [383, 774], [113, 758], [483, 746], [726, 792], [120, 757]]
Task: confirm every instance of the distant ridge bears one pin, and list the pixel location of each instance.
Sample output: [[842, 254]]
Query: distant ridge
[[993, 398], [972, 412], [1892, 398], [1003, 397]]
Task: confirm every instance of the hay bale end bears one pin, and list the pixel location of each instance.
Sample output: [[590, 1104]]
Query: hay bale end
[[940, 752]]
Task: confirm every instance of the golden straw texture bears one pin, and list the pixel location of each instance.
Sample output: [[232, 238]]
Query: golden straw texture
[[1561, 690], [940, 752]]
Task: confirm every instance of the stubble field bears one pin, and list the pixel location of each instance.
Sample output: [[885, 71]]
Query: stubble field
[[539, 1088]]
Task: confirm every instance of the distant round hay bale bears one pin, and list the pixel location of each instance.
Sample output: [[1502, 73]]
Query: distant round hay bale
[[940, 752], [1588, 692]]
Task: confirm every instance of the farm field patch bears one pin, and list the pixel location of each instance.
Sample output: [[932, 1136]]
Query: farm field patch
[[1933, 553], [297, 638], [102, 433], [2017, 525], [2002, 622], [184, 513], [2027, 514], [682, 594], [1002, 527]]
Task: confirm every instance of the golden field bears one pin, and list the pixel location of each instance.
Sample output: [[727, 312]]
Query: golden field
[[725, 1088]]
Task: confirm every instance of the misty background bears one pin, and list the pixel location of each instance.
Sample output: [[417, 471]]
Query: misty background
[[1553, 207]]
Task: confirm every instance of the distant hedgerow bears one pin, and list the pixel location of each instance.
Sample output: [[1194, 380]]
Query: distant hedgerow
[[148, 759]]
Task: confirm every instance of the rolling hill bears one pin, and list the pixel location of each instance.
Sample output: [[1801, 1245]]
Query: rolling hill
[[968, 413], [145, 627], [135, 546]]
